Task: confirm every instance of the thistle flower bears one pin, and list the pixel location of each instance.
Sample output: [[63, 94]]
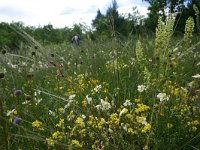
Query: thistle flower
[[3, 52], [2, 74], [33, 53], [18, 92], [28, 97], [17, 120]]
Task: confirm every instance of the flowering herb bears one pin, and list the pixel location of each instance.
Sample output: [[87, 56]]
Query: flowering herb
[[17, 120], [18, 92]]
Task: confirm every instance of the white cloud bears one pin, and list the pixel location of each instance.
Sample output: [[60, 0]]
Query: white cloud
[[60, 13]]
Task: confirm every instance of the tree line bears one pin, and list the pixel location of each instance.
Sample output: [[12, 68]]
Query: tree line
[[108, 25]]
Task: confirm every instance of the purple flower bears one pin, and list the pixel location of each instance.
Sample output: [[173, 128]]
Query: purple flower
[[17, 120], [18, 92]]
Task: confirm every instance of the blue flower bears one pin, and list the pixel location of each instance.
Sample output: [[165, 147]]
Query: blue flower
[[18, 92], [17, 120]]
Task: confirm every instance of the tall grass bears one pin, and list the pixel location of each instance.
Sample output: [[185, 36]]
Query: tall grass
[[135, 94]]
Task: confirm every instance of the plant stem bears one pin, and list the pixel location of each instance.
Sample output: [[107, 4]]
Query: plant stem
[[4, 124]]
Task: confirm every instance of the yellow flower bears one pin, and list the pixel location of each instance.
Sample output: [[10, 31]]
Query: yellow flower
[[129, 116], [141, 108], [146, 128], [79, 122], [194, 128], [94, 81], [61, 110], [97, 145], [131, 131], [50, 142], [57, 135], [61, 123], [76, 143], [37, 124], [137, 100], [124, 111], [196, 122], [169, 125], [114, 120], [84, 103]]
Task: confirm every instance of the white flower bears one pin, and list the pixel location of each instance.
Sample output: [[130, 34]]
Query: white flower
[[72, 96], [141, 88], [89, 99], [196, 76], [163, 97], [127, 103], [124, 110], [98, 107], [124, 127], [83, 116], [142, 120], [68, 104], [25, 102], [105, 105], [191, 84], [10, 112], [52, 113], [31, 70], [97, 88]]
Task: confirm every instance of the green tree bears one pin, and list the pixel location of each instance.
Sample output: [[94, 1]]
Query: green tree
[[183, 9], [113, 24]]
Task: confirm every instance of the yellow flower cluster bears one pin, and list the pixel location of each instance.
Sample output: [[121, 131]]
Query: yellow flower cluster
[[193, 124], [79, 122], [37, 124], [61, 123], [189, 28], [76, 144], [95, 122], [57, 135], [139, 55], [174, 90], [131, 131], [114, 120], [141, 108], [146, 128], [50, 142], [183, 109], [97, 145]]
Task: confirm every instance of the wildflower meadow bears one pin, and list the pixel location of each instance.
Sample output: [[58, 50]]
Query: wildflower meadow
[[133, 94]]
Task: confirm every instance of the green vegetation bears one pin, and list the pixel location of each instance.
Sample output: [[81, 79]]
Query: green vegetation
[[140, 92]]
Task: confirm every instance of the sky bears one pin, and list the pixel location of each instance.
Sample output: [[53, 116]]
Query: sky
[[61, 13]]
